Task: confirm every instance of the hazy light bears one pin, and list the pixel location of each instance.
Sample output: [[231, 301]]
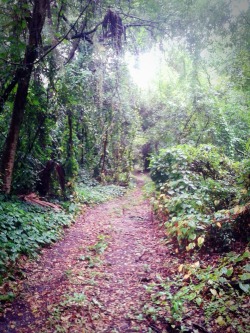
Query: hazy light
[[143, 68], [239, 6]]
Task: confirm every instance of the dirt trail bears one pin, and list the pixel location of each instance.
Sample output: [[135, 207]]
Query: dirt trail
[[94, 279]]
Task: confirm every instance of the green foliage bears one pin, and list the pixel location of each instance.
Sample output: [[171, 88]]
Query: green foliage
[[98, 193], [198, 190], [24, 228], [100, 246], [245, 176], [148, 188], [189, 104], [85, 178], [219, 293], [71, 167], [25, 176]]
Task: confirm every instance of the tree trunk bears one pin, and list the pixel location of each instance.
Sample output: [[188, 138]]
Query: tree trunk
[[13, 134], [104, 154], [70, 140], [45, 178], [24, 75]]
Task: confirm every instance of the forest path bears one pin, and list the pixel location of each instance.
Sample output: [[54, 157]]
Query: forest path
[[94, 279]]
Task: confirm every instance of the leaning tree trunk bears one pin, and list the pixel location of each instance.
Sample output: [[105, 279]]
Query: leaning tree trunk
[[35, 28]]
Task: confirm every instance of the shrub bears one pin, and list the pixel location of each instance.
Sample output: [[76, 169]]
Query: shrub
[[197, 191]]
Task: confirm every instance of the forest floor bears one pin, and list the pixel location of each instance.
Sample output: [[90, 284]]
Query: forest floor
[[93, 280]]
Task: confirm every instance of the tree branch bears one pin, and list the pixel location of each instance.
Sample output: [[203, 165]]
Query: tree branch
[[84, 34], [75, 45], [139, 25], [64, 36], [138, 18]]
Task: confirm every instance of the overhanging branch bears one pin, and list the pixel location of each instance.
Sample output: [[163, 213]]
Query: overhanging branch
[[85, 35]]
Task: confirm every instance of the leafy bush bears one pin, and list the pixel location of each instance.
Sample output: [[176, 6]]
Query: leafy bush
[[84, 177], [176, 163], [198, 191]]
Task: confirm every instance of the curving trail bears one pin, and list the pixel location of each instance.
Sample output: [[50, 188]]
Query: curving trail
[[94, 279]]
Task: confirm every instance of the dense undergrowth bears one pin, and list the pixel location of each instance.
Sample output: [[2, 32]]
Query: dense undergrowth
[[202, 200], [25, 227], [204, 206]]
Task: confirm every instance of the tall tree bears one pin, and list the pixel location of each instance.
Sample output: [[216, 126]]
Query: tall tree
[[23, 75]]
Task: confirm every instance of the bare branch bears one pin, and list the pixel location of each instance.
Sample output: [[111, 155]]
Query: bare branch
[[138, 18]]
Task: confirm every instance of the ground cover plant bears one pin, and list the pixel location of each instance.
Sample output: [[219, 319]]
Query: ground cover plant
[[99, 193], [202, 294], [26, 227]]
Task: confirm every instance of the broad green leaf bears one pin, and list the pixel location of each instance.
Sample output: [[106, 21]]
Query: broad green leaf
[[230, 271], [199, 300], [244, 287], [247, 267], [190, 246], [245, 276]]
